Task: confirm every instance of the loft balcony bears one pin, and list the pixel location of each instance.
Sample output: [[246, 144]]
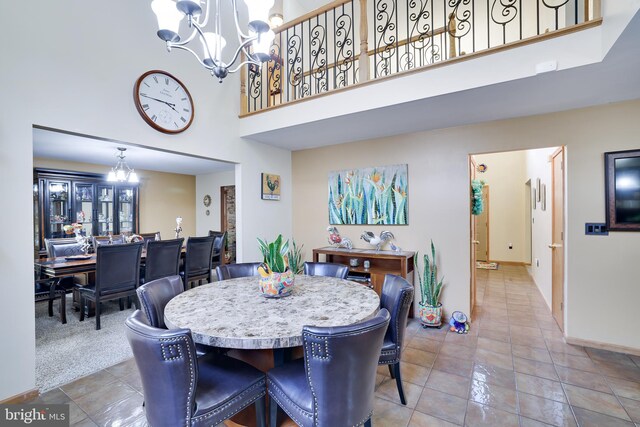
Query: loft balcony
[[383, 60]]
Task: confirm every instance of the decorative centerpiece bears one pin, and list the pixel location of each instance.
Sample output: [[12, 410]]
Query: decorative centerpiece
[[71, 229], [430, 289], [276, 278], [178, 229]]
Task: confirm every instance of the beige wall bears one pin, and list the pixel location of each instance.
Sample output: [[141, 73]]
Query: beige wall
[[601, 297], [505, 177], [163, 196]]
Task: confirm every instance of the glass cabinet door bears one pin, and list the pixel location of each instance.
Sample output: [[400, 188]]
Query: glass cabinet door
[[125, 210], [59, 197], [83, 207], [105, 210]]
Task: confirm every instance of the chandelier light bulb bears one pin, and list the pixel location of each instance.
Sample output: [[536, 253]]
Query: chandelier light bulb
[[169, 18], [276, 20], [121, 175], [262, 46], [259, 14], [133, 177], [215, 43], [112, 176]]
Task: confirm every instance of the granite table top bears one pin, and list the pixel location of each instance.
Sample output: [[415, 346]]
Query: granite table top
[[234, 314]]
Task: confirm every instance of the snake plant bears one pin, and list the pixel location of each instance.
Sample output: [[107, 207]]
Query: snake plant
[[296, 263], [430, 287], [275, 254]]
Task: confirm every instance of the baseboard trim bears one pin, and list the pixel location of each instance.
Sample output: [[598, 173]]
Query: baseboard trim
[[22, 397], [518, 263], [603, 346]]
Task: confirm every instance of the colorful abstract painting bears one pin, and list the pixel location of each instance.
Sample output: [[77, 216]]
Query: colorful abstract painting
[[375, 195]]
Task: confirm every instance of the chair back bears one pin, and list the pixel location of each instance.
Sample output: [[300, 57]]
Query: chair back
[[219, 240], [197, 260], [397, 295], [168, 369], [63, 247], [233, 271], [150, 237], [327, 269], [163, 258], [340, 364], [117, 268], [107, 240], [155, 295]]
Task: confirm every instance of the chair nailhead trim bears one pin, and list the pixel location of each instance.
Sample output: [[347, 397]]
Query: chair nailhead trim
[[217, 411], [284, 396], [191, 375]]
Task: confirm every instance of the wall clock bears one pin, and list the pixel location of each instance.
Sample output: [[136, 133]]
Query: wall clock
[[163, 102], [207, 200]]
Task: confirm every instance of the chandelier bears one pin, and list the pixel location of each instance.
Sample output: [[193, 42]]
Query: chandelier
[[259, 37], [122, 172]]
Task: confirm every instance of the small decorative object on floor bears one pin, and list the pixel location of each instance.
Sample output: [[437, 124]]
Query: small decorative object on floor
[[178, 227], [377, 241], [430, 289], [487, 265], [459, 322], [338, 241], [276, 278], [477, 205]]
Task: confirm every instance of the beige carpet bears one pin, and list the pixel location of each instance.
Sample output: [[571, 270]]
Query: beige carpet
[[67, 352]]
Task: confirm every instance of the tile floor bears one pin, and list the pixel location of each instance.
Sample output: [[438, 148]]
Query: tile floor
[[512, 369]]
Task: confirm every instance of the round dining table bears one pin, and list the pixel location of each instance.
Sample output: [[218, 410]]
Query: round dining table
[[234, 314]]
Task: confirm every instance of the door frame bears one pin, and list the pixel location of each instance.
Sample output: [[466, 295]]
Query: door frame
[[558, 289], [472, 239], [485, 197]]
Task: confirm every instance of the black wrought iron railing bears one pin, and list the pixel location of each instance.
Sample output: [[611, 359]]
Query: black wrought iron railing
[[329, 48]]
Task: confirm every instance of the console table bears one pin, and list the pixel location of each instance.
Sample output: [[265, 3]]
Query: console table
[[381, 263]]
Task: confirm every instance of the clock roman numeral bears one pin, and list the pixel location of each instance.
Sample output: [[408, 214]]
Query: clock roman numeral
[[177, 87], [145, 107], [143, 94], [155, 78], [183, 99], [146, 84], [185, 110], [154, 117], [176, 125], [166, 81], [183, 120]]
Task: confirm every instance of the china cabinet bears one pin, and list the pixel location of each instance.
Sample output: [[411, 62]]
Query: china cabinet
[[64, 197]]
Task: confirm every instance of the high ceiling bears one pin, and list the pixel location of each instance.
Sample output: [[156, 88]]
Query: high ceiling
[[52, 144]]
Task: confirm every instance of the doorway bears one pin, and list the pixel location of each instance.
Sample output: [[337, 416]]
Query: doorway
[[557, 239], [228, 220], [482, 228]]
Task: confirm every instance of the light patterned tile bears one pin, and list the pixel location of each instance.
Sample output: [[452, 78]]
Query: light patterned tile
[[574, 362], [389, 414], [441, 405], [418, 357], [532, 367], [540, 387], [494, 375], [496, 359], [388, 390], [494, 345], [449, 383], [531, 353], [594, 400], [588, 418], [493, 395], [624, 388], [583, 379], [485, 416], [418, 419], [545, 410], [632, 407]]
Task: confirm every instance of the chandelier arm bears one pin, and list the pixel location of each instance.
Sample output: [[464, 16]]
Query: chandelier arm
[[248, 62], [210, 68], [241, 48], [241, 35], [197, 29]]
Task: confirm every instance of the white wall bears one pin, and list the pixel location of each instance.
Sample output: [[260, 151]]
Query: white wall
[[538, 166], [210, 184], [74, 69], [505, 177]]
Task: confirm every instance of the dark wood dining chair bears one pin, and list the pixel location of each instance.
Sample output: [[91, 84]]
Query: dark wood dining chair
[[396, 297], [219, 243], [49, 289], [233, 271], [150, 237], [327, 269], [197, 261], [181, 389], [334, 383], [64, 246], [163, 259], [117, 276], [118, 239]]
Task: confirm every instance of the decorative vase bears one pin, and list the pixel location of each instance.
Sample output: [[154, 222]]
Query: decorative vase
[[277, 285], [430, 315]]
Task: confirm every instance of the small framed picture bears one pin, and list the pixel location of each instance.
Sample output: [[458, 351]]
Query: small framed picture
[[538, 188], [270, 186], [543, 197], [533, 198]]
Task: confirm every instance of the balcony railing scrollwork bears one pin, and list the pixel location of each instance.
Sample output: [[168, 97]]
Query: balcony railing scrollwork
[[351, 41]]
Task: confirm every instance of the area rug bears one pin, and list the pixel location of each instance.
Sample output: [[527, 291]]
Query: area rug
[[67, 352], [487, 265]]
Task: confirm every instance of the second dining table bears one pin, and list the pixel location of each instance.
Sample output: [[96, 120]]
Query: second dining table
[[234, 314]]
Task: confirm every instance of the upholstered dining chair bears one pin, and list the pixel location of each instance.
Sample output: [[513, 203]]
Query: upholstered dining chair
[[333, 385], [63, 247], [197, 260], [150, 237], [327, 269], [233, 271], [181, 389], [117, 276], [48, 289], [154, 297], [219, 241], [396, 297], [107, 240], [163, 259]]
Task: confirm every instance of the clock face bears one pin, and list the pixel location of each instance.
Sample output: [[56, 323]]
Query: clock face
[[207, 200], [163, 102]]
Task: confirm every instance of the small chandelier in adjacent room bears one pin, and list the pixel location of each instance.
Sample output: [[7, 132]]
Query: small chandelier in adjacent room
[[122, 172], [259, 37]]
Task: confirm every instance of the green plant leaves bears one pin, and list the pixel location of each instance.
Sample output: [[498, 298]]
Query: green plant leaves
[[430, 287]]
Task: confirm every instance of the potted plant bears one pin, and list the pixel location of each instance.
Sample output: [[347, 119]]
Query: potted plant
[[430, 289], [296, 260], [276, 278]]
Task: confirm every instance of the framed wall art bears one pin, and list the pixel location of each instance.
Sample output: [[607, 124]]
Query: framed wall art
[[375, 195], [270, 186], [622, 190]]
